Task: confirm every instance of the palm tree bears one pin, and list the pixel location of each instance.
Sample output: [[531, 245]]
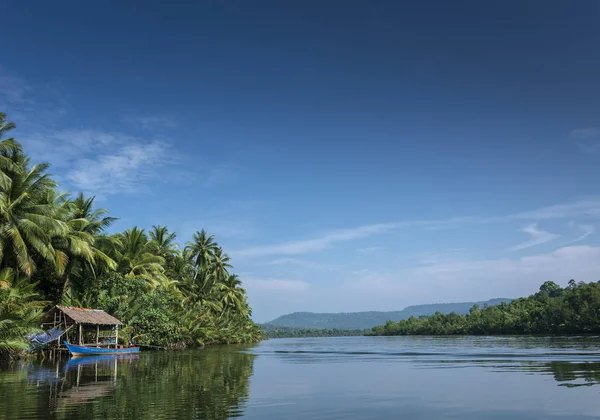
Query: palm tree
[[8, 147], [5, 126], [220, 264], [27, 220], [232, 293], [180, 266], [163, 241], [135, 257], [20, 312], [203, 249], [77, 249]]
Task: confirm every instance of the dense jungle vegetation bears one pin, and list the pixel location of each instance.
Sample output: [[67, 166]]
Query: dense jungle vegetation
[[553, 310], [276, 331], [55, 249]]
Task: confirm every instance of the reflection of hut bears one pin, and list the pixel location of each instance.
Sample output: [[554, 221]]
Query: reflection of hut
[[85, 327]]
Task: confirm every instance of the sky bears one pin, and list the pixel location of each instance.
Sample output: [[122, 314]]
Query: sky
[[348, 155]]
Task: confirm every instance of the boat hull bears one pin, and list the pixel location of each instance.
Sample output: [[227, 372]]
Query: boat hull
[[89, 351]]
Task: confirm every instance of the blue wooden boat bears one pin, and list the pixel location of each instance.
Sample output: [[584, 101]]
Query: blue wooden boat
[[89, 351]]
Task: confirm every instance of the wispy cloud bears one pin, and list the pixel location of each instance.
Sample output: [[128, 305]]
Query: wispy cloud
[[219, 174], [586, 230], [304, 263], [14, 90], [62, 147], [153, 123], [224, 227], [589, 207], [31, 105], [370, 250], [585, 133], [278, 285], [538, 237], [464, 280], [123, 171], [588, 139], [327, 240], [98, 162], [584, 207]]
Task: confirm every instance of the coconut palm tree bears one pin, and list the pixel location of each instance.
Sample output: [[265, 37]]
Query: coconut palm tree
[[27, 220], [5, 126], [77, 249], [203, 249], [135, 257], [232, 293], [219, 264], [20, 311], [163, 241]]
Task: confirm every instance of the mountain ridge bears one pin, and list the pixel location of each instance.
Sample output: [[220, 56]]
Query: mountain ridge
[[368, 319]]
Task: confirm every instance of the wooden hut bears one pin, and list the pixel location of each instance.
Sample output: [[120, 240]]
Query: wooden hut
[[83, 326]]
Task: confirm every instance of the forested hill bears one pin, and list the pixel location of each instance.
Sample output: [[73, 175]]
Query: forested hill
[[365, 320]]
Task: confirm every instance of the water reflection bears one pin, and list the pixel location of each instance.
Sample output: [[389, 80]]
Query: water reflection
[[207, 384], [465, 378]]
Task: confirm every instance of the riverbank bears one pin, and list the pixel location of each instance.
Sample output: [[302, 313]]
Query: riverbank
[[553, 310]]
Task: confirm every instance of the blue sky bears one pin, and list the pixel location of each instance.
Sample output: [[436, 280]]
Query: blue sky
[[348, 155]]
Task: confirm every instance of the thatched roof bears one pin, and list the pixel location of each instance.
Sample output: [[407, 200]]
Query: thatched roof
[[86, 316]]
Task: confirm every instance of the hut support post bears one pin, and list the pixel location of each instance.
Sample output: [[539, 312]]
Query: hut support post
[[97, 334], [116, 336], [80, 334]]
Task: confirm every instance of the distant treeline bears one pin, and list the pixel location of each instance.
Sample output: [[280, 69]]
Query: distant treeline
[[553, 310], [273, 331]]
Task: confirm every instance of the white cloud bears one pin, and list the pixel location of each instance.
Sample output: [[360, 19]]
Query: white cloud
[[62, 148], [120, 172], [102, 163], [559, 211], [538, 237], [586, 230], [275, 285], [590, 207], [327, 240], [98, 162], [472, 280]]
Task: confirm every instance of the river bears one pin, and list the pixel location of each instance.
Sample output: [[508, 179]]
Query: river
[[321, 378]]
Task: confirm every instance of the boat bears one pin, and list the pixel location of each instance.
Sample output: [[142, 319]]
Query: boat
[[89, 351]]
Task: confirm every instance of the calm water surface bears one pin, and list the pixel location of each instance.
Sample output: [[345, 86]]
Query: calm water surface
[[321, 378]]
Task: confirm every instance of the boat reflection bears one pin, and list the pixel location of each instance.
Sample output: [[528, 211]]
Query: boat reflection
[[87, 378]]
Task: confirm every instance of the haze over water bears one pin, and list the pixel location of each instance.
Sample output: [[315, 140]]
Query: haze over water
[[322, 378]]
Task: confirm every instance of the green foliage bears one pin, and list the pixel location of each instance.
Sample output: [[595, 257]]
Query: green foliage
[[157, 320], [20, 311], [274, 331], [164, 295], [553, 310]]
